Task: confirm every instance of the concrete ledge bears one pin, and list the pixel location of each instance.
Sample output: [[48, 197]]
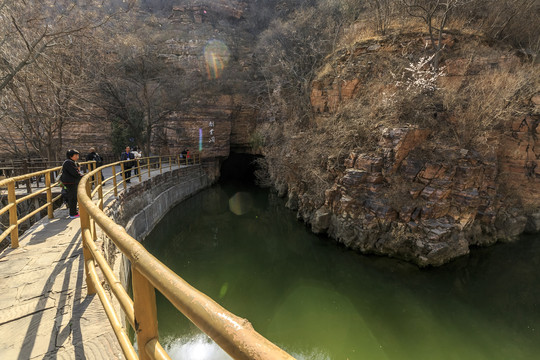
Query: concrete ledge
[[143, 205]]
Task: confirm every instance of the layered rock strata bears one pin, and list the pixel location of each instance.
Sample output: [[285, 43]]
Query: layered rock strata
[[397, 201], [393, 203]]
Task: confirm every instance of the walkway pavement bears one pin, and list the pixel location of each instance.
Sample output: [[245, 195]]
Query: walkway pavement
[[45, 312]]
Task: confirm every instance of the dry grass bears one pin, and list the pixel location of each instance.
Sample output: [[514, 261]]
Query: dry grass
[[312, 157], [488, 101], [364, 30], [309, 158]]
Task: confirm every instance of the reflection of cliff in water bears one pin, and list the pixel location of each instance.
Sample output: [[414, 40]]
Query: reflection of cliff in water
[[504, 274]]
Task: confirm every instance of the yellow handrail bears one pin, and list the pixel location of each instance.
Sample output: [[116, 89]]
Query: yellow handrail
[[11, 206], [233, 334]]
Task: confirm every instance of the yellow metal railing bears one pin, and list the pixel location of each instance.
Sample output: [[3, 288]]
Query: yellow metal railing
[[10, 183], [233, 334]]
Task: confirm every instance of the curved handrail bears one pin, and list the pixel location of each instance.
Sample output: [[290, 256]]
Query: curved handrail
[[233, 334], [14, 220]]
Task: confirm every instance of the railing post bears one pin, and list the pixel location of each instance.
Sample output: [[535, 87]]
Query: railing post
[[93, 166], [139, 170], [160, 169], [114, 180], [87, 255], [149, 169], [100, 190], [123, 176], [50, 208], [88, 168], [27, 181], [12, 200], [144, 303]]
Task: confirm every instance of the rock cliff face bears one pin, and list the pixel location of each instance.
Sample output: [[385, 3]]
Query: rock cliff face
[[220, 121], [442, 208], [221, 118], [397, 202], [215, 128]]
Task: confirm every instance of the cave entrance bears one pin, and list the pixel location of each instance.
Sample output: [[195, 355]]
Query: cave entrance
[[239, 168]]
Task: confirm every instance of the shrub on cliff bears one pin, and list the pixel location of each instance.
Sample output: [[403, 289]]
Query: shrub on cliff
[[489, 102], [306, 147]]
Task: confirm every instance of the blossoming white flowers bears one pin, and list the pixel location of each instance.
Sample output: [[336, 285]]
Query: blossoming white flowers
[[421, 76]]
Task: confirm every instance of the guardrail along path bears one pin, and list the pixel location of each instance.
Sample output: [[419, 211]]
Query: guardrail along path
[[45, 312]]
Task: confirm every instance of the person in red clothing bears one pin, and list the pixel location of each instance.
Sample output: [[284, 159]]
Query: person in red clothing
[[71, 175]]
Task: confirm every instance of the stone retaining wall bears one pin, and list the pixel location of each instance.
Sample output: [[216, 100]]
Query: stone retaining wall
[[143, 205]]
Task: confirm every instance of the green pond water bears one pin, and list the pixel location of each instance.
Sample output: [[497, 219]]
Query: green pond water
[[318, 300]]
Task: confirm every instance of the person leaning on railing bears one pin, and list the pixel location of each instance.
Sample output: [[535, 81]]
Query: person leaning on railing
[[71, 175], [137, 156], [94, 156]]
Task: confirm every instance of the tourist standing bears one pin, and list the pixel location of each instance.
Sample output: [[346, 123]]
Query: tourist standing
[[127, 155], [183, 155], [71, 175], [94, 156], [137, 156]]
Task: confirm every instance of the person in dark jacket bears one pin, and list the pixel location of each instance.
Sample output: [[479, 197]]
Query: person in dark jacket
[[71, 175], [94, 156], [127, 155]]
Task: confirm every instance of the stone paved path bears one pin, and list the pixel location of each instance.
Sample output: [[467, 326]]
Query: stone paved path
[[45, 312]]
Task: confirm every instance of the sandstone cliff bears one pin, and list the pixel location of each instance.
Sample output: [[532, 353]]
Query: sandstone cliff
[[212, 44], [207, 41], [417, 195]]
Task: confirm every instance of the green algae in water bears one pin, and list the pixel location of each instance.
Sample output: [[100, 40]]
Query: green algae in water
[[317, 300]]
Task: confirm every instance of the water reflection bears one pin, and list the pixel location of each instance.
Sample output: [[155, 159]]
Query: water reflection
[[198, 347], [318, 300], [240, 203]]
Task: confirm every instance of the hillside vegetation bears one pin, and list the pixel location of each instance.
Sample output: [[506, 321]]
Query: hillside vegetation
[[401, 127], [126, 66], [387, 46], [405, 128]]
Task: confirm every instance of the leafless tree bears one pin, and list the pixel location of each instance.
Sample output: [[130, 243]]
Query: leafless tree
[[30, 28], [384, 11], [289, 54], [435, 14], [41, 100], [141, 90], [513, 21], [41, 76]]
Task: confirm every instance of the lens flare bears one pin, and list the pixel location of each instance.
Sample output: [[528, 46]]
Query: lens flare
[[241, 203], [216, 55]]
